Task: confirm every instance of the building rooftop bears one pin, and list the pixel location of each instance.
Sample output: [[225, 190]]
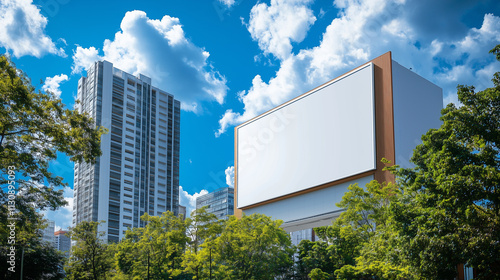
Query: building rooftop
[[60, 232]]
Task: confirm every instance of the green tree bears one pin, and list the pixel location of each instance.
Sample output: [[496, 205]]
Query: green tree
[[201, 226], [90, 257], [337, 246], [362, 242], [451, 214], [314, 256], [318, 274], [155, 251], [34, 126], [253, 247], [41, 261], [126, 254], [363, 237]]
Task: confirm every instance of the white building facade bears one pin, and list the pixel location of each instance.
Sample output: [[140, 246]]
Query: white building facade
[[138, 171]]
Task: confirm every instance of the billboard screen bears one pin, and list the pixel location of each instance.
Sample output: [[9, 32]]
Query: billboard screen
[[320, 137]]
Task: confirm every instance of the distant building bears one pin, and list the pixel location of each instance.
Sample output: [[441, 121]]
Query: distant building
[[48, 232], [138, 171], [303, 234], [182, 211], [219, 202], [62, 242]]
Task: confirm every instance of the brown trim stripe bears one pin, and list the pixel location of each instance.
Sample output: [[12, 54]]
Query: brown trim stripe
[[313, 189]]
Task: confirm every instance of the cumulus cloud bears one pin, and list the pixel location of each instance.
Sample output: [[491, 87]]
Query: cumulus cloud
[[276, 26], [366, 29], [52, 84], [23, 30], [444, 20], [230, 176], [63, 217], [83, 58], [159, 49], [189, 200], [467, 60]]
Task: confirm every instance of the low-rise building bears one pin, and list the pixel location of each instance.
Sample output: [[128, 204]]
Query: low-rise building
[[219, 202]]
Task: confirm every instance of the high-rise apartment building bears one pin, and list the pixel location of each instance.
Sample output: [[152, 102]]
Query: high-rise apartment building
[[219, 202], [138, 171]]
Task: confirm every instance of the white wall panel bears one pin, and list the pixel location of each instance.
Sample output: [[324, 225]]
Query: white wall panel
[[312, 204], [324, 136], [417, 108]]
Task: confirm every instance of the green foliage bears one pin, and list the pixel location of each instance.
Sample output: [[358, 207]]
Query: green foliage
[[338, 246], [368, 220], [253, 247], [361, 243], [34, 126], [203, 247], [202, 226], [452, 211], [367, 210], [90, 256], [155, 251], [496, 52], [380, 258], [41, 262], [318, 274], [315, 255]]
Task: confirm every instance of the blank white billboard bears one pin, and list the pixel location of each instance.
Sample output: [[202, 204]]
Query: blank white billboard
[[320, 137]]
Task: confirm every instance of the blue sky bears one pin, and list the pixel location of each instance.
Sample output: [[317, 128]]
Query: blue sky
[[229, 60]]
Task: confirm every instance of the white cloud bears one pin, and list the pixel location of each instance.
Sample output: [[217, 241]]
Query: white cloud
[[444, 20], [230, 176], [276, 26], [364, 30], [228, 3], [23, 30], [189, 200], [83, 58], [63, 217], [468, 60], [159, 49], [52, 84]]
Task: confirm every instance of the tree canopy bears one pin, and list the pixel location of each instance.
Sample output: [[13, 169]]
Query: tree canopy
[[90, 257], [253, 247], [34, 127], [155, 251], [202, 226], [451, 213]]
